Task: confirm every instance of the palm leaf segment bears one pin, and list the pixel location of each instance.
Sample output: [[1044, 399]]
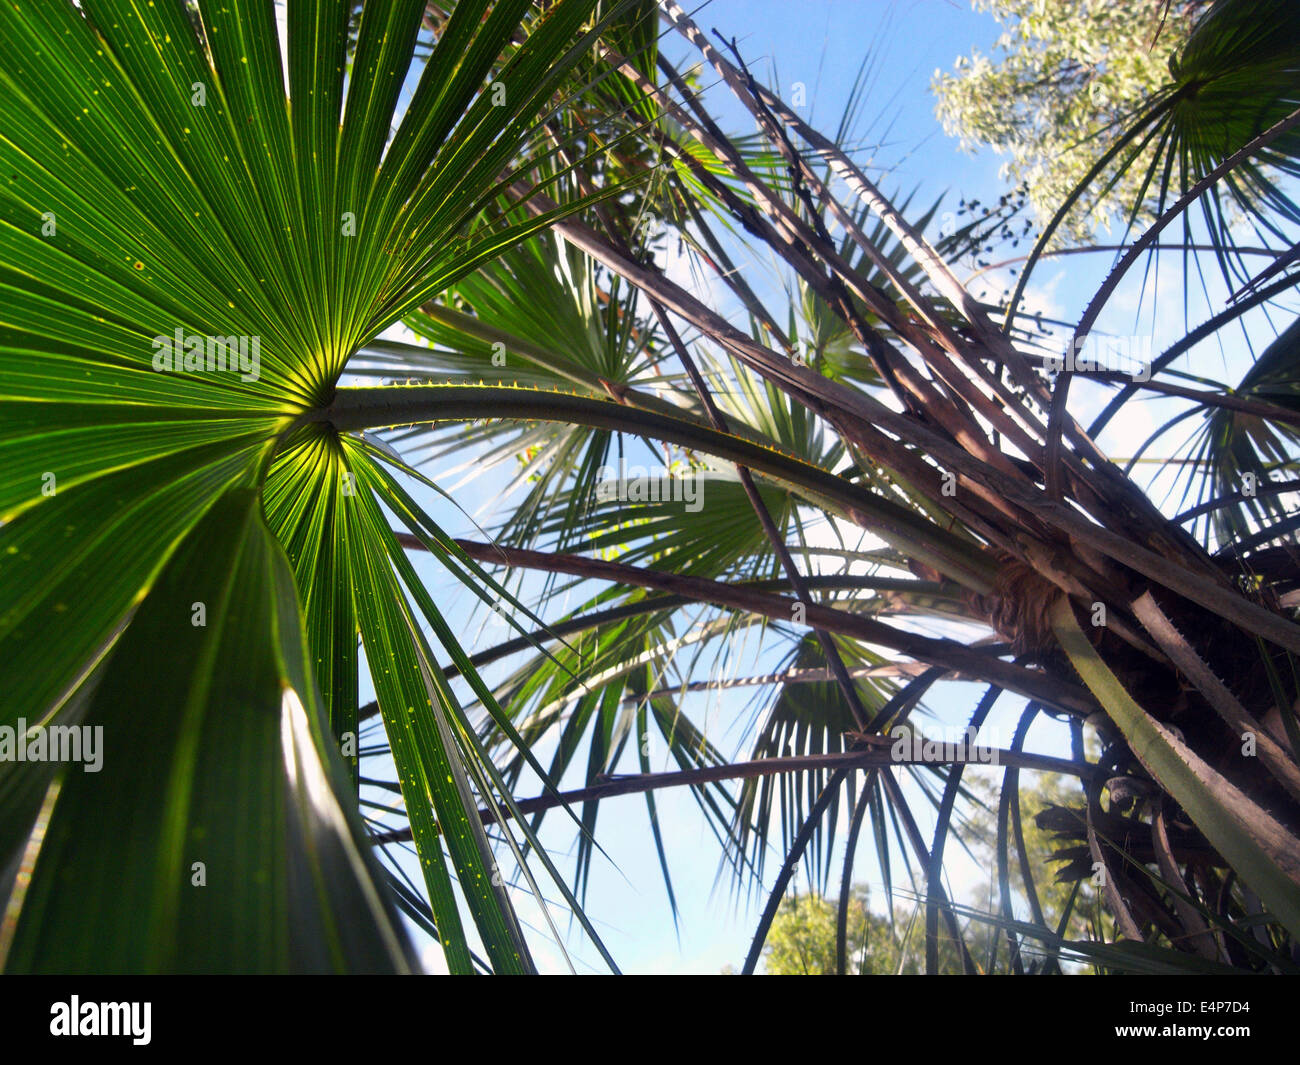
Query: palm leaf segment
[[168, 175]]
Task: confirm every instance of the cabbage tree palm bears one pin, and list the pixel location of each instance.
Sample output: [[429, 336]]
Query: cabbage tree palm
[[204, 564]]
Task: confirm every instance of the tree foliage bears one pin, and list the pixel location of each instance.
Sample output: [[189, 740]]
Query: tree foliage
[[1058, 86]]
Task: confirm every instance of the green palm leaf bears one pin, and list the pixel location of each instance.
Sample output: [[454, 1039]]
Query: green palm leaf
[[164, 182], [214, 819]]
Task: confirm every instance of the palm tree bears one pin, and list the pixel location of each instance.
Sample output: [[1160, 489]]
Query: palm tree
[[202, 563]]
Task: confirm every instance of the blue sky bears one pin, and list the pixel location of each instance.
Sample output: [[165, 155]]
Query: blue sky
[[821, 45]]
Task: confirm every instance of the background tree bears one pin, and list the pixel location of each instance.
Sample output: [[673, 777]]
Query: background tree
[[1056, 91], [802, 940]]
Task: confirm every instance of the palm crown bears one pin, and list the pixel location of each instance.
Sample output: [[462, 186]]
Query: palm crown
[[204, 562]]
